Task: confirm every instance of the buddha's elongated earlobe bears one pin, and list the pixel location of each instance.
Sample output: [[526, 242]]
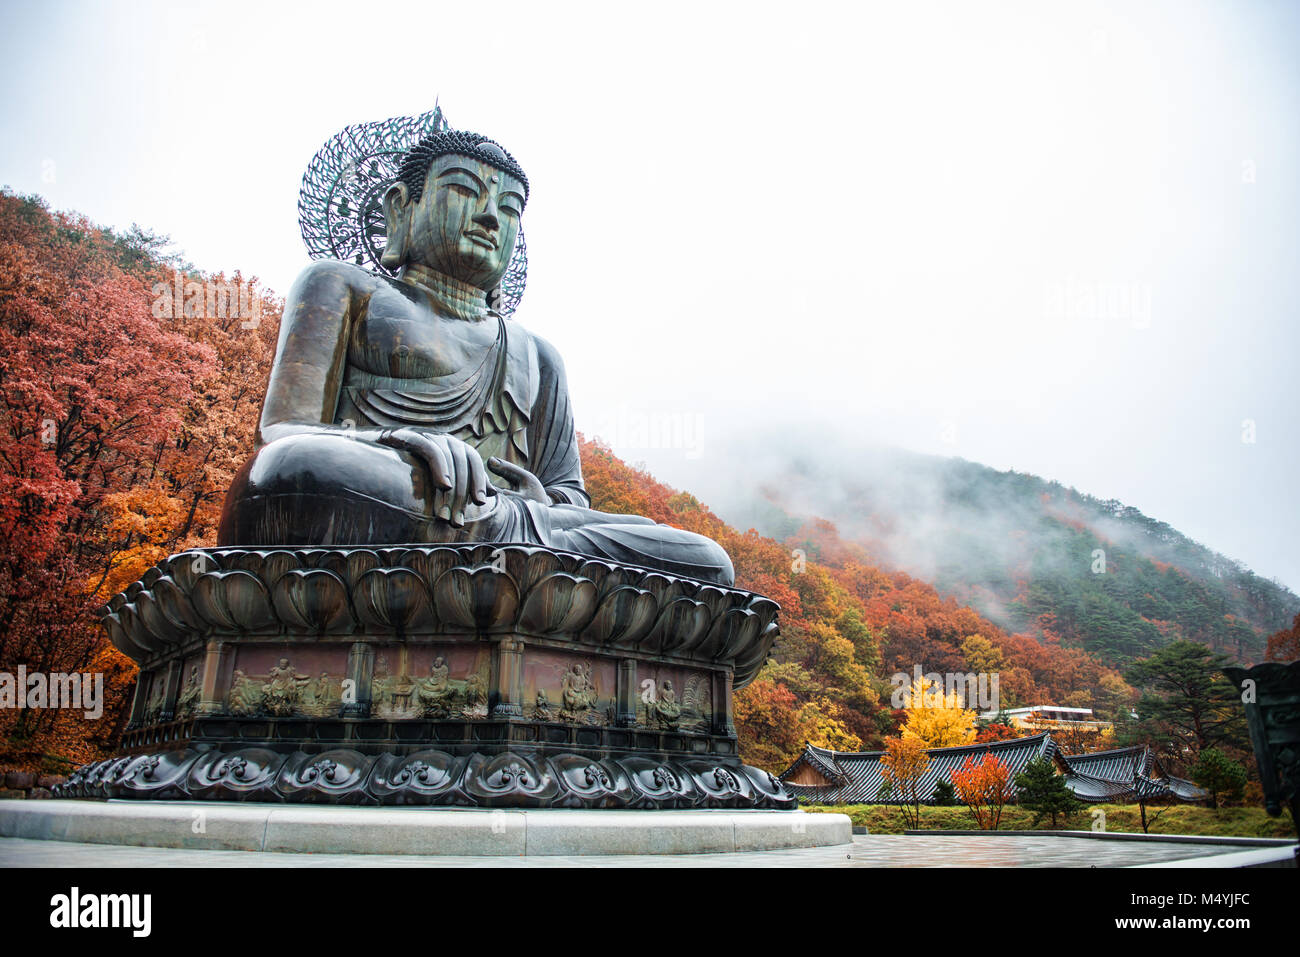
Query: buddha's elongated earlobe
[[397, 225]]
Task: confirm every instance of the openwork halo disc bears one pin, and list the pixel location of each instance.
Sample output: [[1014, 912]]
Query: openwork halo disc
[[340, 205]]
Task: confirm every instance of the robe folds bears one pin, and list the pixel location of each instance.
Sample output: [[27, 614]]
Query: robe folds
[[336, 487]]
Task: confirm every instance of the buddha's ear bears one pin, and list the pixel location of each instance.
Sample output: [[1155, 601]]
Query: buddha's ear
[[397, 223]]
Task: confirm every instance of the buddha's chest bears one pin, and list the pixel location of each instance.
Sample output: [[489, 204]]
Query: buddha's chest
[[399, 339]]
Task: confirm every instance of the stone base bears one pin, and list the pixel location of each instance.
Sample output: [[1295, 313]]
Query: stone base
[[472, 675], [514, 779], [444, 831]]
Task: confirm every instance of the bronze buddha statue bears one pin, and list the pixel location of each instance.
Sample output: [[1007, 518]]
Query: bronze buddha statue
[[391, 398]]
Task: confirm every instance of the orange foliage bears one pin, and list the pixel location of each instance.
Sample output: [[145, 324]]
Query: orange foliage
[[1285, 645], [995, 732], [984, 788]]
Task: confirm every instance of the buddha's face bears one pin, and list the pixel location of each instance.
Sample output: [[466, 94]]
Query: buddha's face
[[465, 222]]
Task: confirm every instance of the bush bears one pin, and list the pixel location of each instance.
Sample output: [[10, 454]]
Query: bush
[[944, 795]]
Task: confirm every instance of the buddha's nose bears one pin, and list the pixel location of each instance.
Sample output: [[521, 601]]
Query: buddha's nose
[[487, 218]]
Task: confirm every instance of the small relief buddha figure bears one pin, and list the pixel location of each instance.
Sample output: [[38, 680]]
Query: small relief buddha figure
[[475, 697], [542, 707], [189, 698], [435, 692], [153, 708], [283, 689], [318, 694], [245, 696], [667, 709], [403, 409], [578, 693]]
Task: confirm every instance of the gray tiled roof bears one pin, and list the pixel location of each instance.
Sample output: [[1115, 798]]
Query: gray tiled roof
[[1118, 764], [864, 776], [1134, 772], [1120, 774]]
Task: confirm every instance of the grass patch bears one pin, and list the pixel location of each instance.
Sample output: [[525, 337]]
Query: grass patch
[[1120, 818]]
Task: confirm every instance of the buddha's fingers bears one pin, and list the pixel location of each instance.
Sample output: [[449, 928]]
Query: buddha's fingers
[[522, 481], [440, 464], [478, 480], [428, 450], [460, 469]]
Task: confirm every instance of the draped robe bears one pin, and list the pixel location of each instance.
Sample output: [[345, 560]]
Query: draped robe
[[327, 487]]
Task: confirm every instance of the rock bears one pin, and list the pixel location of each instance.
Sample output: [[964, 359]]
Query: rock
[[50, 781], [12, 794], [39, 793]]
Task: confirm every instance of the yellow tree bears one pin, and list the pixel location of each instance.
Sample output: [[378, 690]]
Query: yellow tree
[[824, 727], [903, 764], [982, 656], [936, 719]]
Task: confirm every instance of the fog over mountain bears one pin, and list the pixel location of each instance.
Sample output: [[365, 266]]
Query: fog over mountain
[[1031, 554]]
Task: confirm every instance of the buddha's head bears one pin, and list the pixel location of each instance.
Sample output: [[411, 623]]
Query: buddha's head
[[455, 208]]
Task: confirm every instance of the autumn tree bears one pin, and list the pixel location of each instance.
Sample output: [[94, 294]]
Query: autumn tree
[[982, 656], [1076, 740], [904, 764], [1285, 645], [984, 788], [769, 725], [992, 731], [935, 718]]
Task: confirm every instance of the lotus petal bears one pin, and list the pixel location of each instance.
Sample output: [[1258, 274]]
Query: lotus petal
[[559, 604], [476, 598], [186, 568], [622, 618], [682, 623], [395, 598], [235, 601], [177, 606], [313, 599]]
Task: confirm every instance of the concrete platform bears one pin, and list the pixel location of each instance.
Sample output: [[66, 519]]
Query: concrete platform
[[873, 850], [460, 832]]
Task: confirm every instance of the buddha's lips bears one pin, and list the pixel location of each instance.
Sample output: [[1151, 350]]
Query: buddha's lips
[[484, 237]]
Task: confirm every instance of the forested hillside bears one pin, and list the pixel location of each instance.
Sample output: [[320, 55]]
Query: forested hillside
[[1036, 557], [846, 626]]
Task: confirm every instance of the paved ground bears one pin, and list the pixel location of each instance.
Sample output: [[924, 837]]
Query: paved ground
[[875, 850]]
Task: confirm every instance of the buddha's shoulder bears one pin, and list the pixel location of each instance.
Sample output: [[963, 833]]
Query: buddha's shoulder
[[548, 357], [334, 274]]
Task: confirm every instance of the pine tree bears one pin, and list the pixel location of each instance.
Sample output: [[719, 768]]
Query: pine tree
[[1219, 774], [1044, 791]]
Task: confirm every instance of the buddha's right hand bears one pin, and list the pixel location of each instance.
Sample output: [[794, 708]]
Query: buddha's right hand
[[454, 466]]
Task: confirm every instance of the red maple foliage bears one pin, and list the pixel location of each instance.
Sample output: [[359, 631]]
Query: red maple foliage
[[106, 411], [1285, 645], [984, 788]]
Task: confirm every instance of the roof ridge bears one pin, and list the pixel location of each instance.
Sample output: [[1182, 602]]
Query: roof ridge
[[1110, 752]]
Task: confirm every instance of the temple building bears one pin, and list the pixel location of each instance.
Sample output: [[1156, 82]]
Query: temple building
[[1121, 775], [1048, 717]]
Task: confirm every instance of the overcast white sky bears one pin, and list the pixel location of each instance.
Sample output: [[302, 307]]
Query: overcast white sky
[[1059, 237]]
